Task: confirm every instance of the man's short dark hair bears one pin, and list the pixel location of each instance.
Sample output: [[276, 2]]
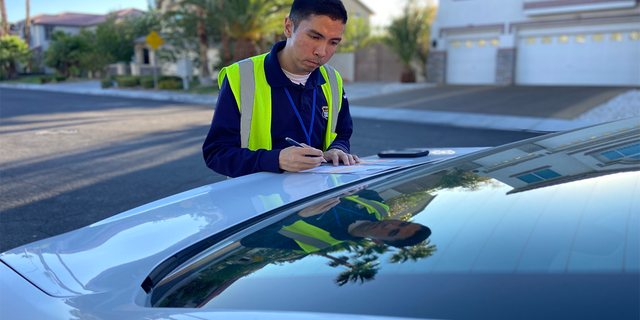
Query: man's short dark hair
[[420, 235], [303, 9]]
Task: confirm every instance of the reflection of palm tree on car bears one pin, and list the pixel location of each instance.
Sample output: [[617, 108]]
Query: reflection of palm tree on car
[[413, 253]]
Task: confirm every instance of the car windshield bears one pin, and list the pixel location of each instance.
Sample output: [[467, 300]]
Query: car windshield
[[483, 238]]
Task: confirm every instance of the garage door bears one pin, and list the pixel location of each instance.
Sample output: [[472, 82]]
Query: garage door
[[611, 58], [472, 61]]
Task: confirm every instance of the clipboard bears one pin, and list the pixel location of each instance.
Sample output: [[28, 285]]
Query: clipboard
[[404, 153]]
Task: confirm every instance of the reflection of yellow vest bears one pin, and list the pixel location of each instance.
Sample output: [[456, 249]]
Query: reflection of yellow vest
[[248, 83], [380, 209], [311, 238]]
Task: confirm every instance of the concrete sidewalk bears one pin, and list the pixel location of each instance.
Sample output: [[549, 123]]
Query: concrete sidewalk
[[384, 90]]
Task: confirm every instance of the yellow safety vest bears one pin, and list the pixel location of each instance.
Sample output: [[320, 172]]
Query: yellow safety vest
[[311, 238], [248, 83]]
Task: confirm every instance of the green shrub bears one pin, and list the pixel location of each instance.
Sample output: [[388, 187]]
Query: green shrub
[[170, 84], [163, 78], [106, 83], [146, 82], [59, 77], [127, 81], [45, 79]]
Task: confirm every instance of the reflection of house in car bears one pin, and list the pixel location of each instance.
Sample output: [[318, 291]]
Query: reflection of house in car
[[564, 158], [536, 42]]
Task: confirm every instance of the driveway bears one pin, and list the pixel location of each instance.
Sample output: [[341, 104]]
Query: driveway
[[542, 102]]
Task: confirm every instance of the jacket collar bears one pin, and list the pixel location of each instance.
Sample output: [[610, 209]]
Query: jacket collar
[[277, 78]]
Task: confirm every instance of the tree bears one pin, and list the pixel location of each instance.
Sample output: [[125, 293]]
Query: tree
[[198, 19], [406, 36], [115, 35], [13, 50], [27, 27], [3, 15], [64, 51], [413, 253], [357, 35], [247, 21]]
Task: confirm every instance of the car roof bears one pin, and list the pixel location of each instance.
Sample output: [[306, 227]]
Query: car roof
[[136, 241]]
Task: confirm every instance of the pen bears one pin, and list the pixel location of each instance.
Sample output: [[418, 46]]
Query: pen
[[296, 144]]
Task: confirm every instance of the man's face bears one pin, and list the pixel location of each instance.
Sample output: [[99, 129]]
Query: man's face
[[391, 230], [314, 42]]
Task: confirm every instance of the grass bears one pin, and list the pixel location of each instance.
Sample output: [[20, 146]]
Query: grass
[[35, 79], [25, 79], [194, 87]]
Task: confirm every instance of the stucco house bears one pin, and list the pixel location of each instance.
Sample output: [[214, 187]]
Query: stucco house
[[43, 25], [536, 42]]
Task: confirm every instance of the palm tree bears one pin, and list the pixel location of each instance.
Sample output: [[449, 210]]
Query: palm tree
[[414, 253], [27, 27], [3, 16], [406, 34], [363, 270], [247, 21]]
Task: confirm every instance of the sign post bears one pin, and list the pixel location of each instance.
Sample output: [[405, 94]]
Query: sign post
[[154, 40]]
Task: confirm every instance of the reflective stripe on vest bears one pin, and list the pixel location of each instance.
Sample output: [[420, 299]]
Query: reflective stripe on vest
[[380, 209], [248, 83], [309, 237]]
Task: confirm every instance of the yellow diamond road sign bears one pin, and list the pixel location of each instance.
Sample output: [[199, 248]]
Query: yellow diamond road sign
[[154, 40]]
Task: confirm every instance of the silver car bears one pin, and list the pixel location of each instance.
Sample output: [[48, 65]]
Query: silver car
[[545, 228]]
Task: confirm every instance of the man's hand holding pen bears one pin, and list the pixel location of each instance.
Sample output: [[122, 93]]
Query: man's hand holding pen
[[300, 157]]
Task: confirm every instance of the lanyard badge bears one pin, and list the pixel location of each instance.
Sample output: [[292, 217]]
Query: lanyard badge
[[307, 134]]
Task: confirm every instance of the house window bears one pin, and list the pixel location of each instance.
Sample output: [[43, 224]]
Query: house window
[[635, 35], [631, 151], [581, 38], [495, 42], [563, 38], [616, 37], [546, 40], [48, 31], [537, 176], [597, 37]]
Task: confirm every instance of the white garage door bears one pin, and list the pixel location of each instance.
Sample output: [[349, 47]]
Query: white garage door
[[472, 61], [611, 58]]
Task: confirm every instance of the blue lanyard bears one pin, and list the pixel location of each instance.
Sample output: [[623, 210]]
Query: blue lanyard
[[313, 113]]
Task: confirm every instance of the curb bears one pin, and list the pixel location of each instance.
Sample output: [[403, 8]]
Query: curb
[[455, 119], [468, 120], [158, 96]]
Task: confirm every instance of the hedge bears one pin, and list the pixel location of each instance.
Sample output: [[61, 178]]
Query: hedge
[[170, 84], [106, 83], [127, 81], [146, 82]]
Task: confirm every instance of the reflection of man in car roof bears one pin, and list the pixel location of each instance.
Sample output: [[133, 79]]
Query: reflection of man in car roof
[[352, 216]]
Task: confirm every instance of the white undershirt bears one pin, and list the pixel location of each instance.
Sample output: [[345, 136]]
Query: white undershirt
[[296, 78]]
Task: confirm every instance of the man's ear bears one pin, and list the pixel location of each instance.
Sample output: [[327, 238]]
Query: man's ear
[[288, 27], [377, 242]]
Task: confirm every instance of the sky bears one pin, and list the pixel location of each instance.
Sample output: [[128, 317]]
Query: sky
[[16, 9]]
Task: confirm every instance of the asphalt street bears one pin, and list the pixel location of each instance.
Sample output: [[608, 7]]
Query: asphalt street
[[69, 160], [558, 102]]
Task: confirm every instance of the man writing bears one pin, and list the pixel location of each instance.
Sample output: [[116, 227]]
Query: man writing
[[357, 214], [288, 92]]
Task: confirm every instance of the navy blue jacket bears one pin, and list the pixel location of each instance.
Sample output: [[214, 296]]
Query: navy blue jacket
[[222, 148]]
